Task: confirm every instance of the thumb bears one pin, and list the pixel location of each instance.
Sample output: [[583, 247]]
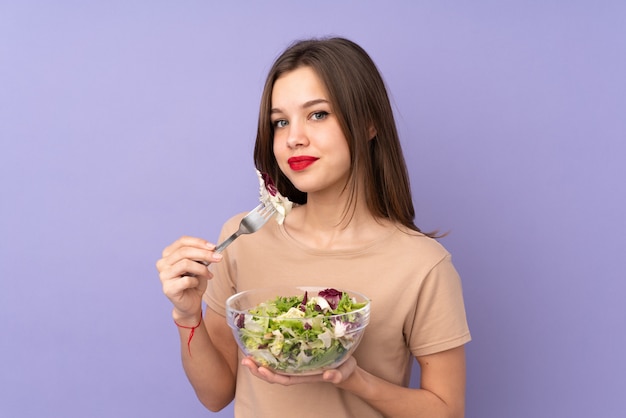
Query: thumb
[[332, 376]]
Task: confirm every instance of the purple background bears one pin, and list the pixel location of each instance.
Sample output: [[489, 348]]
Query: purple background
[[125, 124]]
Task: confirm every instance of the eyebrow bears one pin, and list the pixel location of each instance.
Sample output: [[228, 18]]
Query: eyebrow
[[305, 105]]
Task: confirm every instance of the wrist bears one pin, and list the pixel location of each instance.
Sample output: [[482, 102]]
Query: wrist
[[192, 330], [187, 319]]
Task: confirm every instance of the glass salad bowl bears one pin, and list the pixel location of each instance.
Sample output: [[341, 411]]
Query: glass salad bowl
[[298, 330]]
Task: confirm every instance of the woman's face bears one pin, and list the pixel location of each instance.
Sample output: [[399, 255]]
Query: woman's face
[[309, 145]]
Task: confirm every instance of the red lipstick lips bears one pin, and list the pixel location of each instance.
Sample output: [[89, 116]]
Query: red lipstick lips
[[301, 162]]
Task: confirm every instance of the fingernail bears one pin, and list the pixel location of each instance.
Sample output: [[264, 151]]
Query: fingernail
[[217, 256]]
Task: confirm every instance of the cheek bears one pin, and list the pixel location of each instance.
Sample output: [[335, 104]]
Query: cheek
[[280, 153], [341, 150], [280, 142], [276, 148]]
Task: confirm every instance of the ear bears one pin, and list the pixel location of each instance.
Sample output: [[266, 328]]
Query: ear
[[372, 132]]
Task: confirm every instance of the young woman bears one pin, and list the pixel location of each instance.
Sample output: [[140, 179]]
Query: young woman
[[327, 137]]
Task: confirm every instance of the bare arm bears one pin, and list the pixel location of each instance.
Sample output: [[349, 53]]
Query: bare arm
[[442, 392], [210, 359]]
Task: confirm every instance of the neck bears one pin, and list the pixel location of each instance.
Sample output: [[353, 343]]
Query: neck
[[327, 224]]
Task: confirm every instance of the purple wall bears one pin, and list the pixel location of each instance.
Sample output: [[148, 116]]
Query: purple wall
[[125, 124]]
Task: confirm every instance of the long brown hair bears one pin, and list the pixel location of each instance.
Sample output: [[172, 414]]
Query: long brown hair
[[359, 99]]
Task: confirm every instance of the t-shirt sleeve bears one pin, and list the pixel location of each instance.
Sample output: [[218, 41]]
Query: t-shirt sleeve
[[440, 321]]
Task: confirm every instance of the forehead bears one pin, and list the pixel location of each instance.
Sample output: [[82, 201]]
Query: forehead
[[299, 85]]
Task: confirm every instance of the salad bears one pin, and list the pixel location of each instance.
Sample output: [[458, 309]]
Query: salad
[[300, 334]]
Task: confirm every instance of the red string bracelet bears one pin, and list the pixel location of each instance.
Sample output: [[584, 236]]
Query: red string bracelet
[[193, 330]]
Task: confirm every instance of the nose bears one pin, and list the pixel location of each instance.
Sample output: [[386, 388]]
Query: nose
[[297, 136]]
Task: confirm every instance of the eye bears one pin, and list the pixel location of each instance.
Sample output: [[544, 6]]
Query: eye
[[280, 123], [319, 115]]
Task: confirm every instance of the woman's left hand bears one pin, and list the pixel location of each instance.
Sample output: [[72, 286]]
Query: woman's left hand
[[335, 376]]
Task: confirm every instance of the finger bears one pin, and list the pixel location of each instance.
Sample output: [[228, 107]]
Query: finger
[[260, 372], [185, 267], [285, 380], [332, 376], [266, 374], [341, 373], [177, 288], [271, 377], [187, 241], [200, 255], [174, 288]]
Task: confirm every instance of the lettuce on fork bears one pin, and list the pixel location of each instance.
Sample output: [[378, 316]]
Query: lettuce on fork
[[269, 195]]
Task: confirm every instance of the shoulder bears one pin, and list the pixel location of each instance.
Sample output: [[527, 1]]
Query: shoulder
[[413, 242], [233, 222]]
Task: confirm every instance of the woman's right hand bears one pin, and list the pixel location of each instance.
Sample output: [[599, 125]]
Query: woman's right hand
[[184, 276]]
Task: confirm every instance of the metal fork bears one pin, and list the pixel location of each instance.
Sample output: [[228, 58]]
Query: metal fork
[[252, 222]]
